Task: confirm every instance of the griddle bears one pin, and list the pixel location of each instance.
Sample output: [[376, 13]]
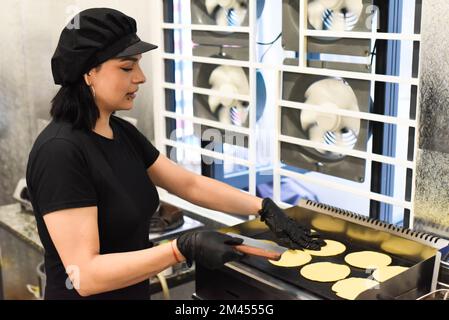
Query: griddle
[[419, 279]]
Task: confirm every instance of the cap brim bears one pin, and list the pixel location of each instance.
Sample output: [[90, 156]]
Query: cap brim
[[137, 48]]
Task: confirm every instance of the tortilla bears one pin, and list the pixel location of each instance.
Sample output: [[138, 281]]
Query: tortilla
[[368, 259], [350, 288], [325, 272], [292, 258]]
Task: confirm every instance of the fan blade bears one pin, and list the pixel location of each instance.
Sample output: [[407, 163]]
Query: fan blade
[[352, 124], [221, 18], [331, 4], [345, 97], [210, 6], [332, 91], [230, 89], [231, 75], [319, 92], [224, 115], [237, 13], [355, 7], [227, 4], [334, 15], [219, 76], [308, 118], [214, 102], [237, 76], [317, 135], [315, 12], [338, 23]]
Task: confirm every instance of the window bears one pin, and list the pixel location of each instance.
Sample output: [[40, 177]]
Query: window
[[318, 106]]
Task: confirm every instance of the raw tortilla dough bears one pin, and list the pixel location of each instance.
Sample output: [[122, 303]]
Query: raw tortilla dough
[[325, 272], [292, 258], [368, 259], [329, 224], [350, 288], [385, 273], [332, 248], [398, 246]]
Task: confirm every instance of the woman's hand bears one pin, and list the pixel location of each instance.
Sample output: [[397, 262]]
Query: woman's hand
[[289, 233], [209, 248]]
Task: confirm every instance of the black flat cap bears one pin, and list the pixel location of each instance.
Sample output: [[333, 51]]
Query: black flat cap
[[100, 35]]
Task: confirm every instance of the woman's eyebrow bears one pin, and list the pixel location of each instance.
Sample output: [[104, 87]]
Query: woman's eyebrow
[[129, 59]]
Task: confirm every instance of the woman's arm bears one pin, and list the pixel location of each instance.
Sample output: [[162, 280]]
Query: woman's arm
[[75, 235], [202, 191]]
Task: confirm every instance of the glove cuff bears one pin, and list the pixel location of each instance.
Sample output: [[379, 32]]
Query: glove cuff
[[263, 212]]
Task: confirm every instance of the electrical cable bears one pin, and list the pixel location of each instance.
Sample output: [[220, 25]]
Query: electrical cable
[[446, 296], [373, 53], [164, 286], [270, 44]]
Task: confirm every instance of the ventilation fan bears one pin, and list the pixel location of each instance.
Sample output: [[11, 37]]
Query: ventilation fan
[[226, 79], [223, 12], [323, 127], [329, 128], [227, 12], [230, 80], [331, 15], [334, 15]]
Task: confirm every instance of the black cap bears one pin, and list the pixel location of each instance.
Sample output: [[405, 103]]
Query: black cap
[[96, 35]]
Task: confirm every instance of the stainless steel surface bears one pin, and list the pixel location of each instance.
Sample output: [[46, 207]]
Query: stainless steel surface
[[361, 223], [189, 224]]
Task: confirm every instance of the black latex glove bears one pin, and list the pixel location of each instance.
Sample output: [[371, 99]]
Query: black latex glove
[[209, 248], [289, 233]]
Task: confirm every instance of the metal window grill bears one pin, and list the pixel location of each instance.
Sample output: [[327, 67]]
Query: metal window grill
[[386, 175]]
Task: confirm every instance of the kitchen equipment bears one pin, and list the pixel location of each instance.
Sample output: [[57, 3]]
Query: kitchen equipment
[[255, 278], [259, 248]]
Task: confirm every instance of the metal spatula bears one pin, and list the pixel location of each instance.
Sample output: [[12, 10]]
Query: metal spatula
[[259, 248]]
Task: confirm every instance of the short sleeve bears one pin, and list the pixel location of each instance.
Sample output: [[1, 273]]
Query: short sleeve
[[59, 178], [149, 152]]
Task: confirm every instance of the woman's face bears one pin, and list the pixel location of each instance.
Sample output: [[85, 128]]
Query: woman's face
[[116, 83]]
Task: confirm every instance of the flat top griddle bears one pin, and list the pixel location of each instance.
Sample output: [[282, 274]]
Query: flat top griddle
[[422, 264], [323, 289]]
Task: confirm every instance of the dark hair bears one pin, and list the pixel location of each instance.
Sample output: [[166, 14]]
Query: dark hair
[[75, 104]]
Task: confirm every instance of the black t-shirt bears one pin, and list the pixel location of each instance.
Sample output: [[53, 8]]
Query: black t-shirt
[[70, 168]]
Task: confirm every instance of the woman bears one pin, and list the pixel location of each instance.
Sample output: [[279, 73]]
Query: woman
[[92, 176]]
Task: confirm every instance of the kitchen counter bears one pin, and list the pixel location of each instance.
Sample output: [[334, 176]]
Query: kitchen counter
[[22, 224], [21, 254]]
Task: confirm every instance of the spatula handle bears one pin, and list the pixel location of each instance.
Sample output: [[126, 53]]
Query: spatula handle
[[258, 252]]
